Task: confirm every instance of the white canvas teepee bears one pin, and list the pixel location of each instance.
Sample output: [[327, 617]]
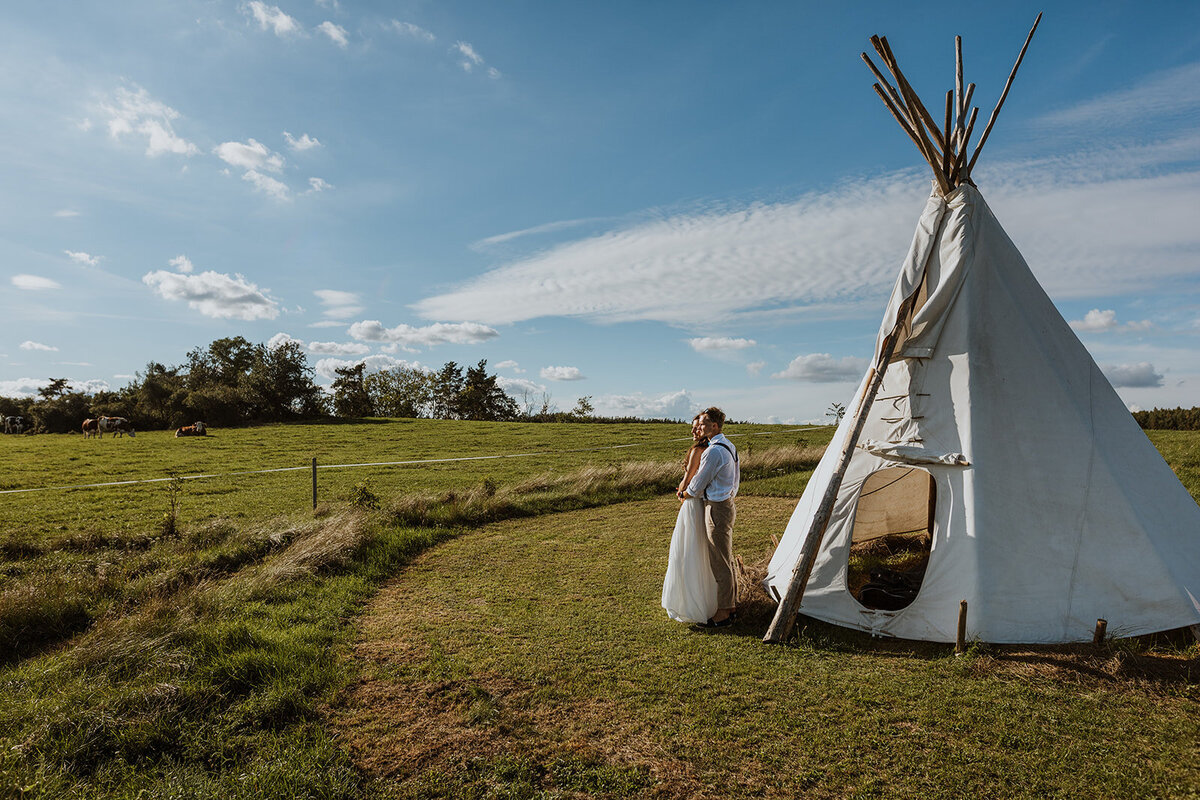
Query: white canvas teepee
[[986, 422]]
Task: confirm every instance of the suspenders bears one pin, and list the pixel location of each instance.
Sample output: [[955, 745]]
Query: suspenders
[[727, 449]]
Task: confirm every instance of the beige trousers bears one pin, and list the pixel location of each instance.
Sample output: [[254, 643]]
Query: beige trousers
[[718, 522]]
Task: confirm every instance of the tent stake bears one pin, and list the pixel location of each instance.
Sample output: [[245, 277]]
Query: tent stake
[[1098, 635], [785, 614], [960, 639]]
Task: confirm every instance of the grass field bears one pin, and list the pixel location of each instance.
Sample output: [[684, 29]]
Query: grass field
[[226, 655]]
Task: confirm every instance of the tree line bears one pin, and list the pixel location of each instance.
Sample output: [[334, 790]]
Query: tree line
[[233, 382], [1172, 419]]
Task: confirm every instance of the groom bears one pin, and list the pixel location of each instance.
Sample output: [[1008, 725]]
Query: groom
[[716, 481]]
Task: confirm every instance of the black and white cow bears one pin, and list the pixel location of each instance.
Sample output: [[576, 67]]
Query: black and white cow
[[114, 425], [14, 424]]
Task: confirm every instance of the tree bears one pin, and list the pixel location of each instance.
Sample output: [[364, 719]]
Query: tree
[[837, 411], [400, 392], [583, 407], [350, 398], [279, 385], [481, 397], [56, 387], [446, 388]]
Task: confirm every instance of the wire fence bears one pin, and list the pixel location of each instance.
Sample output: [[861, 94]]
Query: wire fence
[[416, 462]]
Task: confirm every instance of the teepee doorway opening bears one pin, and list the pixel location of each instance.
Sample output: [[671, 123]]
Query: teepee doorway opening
[[891, 538]]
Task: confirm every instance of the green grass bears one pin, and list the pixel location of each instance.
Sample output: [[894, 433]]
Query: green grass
[[483, 682], [228, 657]]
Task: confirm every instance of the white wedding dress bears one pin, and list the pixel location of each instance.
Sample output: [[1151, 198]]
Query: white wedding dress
[[689, 590]]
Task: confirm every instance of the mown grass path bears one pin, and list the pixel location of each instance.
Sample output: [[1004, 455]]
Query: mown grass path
[[531, 659]]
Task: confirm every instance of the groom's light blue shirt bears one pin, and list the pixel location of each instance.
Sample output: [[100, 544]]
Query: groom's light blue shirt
[[718, 476]]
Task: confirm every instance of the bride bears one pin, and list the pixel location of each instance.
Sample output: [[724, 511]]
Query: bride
[[690, 590]]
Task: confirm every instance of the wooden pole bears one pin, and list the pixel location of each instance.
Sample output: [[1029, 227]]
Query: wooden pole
[[879, 77], [922, 120], [314, 482], [922, 114], [947, 150], [960, 110], [960, 640], [1098, 635], [1008, 84], [900, 117], [785, 614], [958, 174]]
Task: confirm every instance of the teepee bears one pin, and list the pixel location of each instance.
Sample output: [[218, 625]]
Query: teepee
[[985, 426]]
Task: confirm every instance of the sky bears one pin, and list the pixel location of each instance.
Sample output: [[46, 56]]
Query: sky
[[659, 205]]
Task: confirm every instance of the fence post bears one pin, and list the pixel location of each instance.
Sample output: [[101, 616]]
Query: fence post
[[314, 476]]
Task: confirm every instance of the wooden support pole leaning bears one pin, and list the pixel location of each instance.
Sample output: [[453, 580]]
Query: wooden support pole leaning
[[314, 482], [1098, 634], [785, 615], [1008, 84], [960, 639], [921, 114], [899, 115], [921, 118], [884, 81], [958, 174], [949, 112], [960, 109]]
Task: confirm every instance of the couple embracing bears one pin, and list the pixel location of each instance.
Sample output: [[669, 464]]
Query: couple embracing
[[701, 583]]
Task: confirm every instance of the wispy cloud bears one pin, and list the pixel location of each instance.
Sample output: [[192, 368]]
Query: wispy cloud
[[133, 112], [336, 33], [1111, 227], [410, 338], [719, 344], [510, 364], [316, 185], [34, 282], [214, 294], [86, 259], [549, 227], [1096, 321], [409, 29], [1140, 375], [66, 213], [1164, 95], [339, 348], [672, 405], [326, 367], [29, 345], [823, 368], [28, 387], [305, 142], [272, 18], [182, 263], [338, 304], [470, 59], [252, 154], [561, 374], [755, 368], [267, 185]]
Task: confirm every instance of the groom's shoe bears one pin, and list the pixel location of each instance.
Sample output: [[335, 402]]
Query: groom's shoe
[[724, 623]]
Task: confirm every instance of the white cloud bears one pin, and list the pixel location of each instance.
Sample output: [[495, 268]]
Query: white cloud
[[755, 368], [251, 155], [510, 364], [135, 112], [328, 323], [1140, 375], [214, 294], [549, 227], [336, 33], [86, 259], [34, 282], [1112, 227], [305, 142], [520, 388], [66, 212], [673, 405], [28, 345], [562, 374], [273, 18], [267, 185], [1165, 94], [338, 304], [28, 387], [715, 344], [182, 264], [409, 29], [1096, 321], [280, 339], [339, 349], [326, 366], [471, 59], [316, 185], [824, 368], [410, 338]]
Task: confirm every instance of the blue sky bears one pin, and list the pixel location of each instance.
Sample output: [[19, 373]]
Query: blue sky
[[661, 205]]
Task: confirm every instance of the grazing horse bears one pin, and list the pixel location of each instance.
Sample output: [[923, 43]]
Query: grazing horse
[[115, 426], [14, 424], [195, 429], [91, 428]]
